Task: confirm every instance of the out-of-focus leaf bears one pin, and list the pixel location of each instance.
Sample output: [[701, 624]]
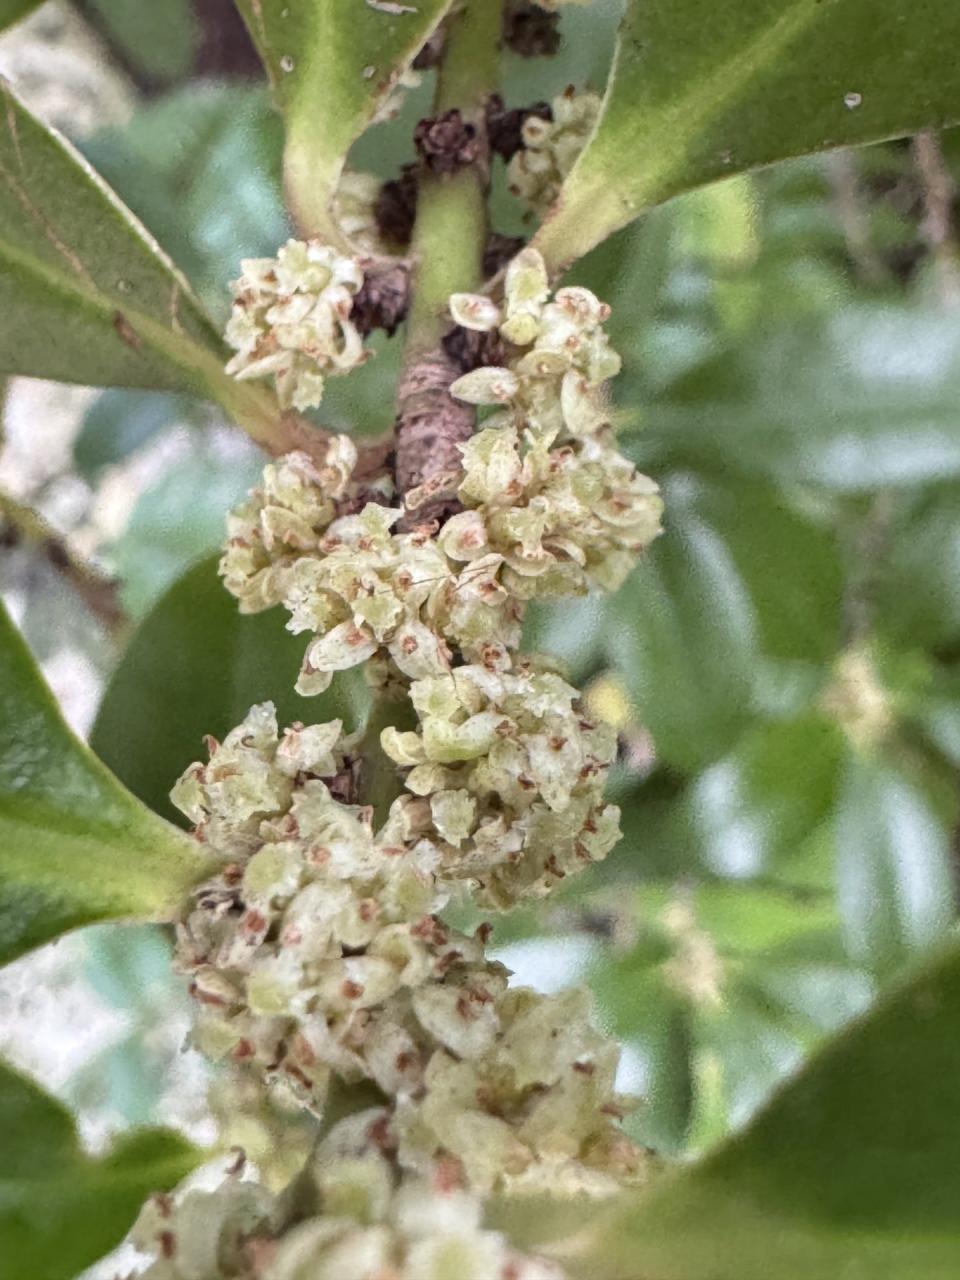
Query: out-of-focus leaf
[[863, 399], [61, 1209], [717, 999], [751, 810], [849, 1170], [86, 295], [917, 595], [195, 667], [937, 712], [791, 565], [118, 423], [337, 64], [177, 521], [201, 167], [894, 866], [700, 90], [130, 968], [738, 579], [12, 10], [159, 39], [684, 635], [75, 846]]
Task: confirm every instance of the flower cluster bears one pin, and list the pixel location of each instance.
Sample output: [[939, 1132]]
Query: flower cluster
[[514, 776], [353, 1219], [546, 488], [317, 950], [358, 586], [551, 147], [291, 320], [551, 508]]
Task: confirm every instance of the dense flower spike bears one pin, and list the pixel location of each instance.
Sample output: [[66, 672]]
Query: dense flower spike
[[318, 951], [318, 954], [291, 320], [353, 1220], [551, 147]]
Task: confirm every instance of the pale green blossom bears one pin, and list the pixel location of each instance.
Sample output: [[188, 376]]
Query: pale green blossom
[[354, 1217], [291, 320], [514, 775], [551, 147]]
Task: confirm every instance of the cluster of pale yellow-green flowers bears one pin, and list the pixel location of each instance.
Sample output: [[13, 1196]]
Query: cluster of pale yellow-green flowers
[[550, 508], [291, 320], [319, 954], [551, 147]]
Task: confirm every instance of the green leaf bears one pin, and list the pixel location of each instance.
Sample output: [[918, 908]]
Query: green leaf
[[13, 10], [201, 167], [850, 1170], [894, 864], [700, 90], [61, 1209], [194, 667], [937, 713], [684, 636], [737, 579], [750, 811], [75, 846], [159, 39], [337, 64], [723, 990], [918, 591], [86, 294], [176, 522], [863, 398]]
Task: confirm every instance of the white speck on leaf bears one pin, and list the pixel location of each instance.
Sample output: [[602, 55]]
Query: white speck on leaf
[[852, 100], [390, 6], [287, 63], [369, 72]]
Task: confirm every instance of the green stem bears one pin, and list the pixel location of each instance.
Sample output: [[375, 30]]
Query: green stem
[[451, 225]]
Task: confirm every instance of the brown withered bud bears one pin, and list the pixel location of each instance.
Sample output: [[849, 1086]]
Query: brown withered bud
[[471, 350], [447, 142], [499, 250], [530, 30], [381, 302], [505, 124], [396, 207]]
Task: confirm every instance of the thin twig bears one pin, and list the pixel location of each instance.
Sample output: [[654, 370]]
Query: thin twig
[[853, 216], [22, 526], [939, 193]]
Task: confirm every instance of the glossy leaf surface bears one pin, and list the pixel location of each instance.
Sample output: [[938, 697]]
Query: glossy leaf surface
[[61, 1209], [332, 66], [75, 846], [700, 90]]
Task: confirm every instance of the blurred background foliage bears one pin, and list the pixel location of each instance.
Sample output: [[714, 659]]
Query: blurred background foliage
[[784, 668]]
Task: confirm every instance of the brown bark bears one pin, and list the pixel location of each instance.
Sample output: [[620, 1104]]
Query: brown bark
[[430, 425]]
